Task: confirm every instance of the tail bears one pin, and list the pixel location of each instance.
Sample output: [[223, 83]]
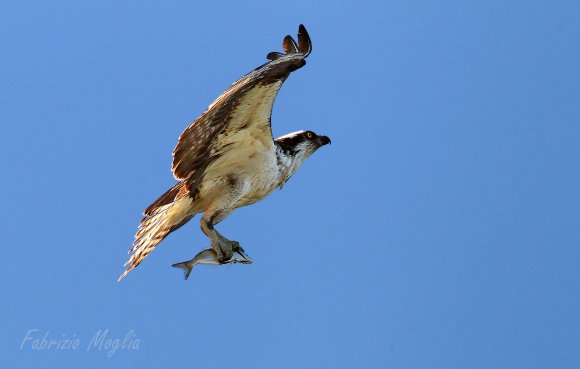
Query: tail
[[186, 266], [172, 210]]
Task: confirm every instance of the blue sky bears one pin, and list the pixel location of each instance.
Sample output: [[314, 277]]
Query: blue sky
[[440, 229]]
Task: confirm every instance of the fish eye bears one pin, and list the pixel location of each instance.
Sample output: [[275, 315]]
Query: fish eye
[[309, 134]]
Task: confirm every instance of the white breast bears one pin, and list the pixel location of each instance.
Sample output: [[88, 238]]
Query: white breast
[[262, 174]]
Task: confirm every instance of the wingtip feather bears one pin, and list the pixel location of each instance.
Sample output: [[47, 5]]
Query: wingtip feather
[[304, 42], [274, 55], [304, 45], [289, 45]]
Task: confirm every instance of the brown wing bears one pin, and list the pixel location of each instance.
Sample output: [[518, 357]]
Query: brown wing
[[240, 114]]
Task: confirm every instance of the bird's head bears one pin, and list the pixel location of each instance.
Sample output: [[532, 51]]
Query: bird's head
[[301, 144]]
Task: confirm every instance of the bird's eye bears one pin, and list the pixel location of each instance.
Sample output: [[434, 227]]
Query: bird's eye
[[309, 134]]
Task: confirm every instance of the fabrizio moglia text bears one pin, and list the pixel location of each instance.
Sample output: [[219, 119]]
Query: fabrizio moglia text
[[101, 341]]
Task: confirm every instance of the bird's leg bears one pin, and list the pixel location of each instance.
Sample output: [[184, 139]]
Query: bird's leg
[[234, 188], [223, 247]]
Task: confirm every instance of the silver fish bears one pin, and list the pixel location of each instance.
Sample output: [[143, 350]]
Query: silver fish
[[209, 257]]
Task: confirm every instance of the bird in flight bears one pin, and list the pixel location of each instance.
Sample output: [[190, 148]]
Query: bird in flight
[[227, 158]]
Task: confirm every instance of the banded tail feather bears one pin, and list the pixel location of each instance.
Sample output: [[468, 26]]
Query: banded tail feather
[[169, 212]]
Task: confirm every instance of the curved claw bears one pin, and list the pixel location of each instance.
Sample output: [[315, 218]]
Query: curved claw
[[225, 249], [243, 258]]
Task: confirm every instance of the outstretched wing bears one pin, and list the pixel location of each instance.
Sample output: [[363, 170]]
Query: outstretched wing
[[240, 116]]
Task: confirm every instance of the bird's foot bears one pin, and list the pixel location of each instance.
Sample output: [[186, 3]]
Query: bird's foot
[[225, 249]]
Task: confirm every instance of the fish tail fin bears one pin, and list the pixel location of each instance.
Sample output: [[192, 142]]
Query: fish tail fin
[[186, 266]]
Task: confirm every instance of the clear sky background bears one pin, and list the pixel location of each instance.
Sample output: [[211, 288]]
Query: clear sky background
[[441, 229]]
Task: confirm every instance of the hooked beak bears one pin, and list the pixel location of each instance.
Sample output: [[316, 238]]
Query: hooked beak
[[323, 140]]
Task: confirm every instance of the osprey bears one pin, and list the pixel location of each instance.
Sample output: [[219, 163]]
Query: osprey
[[227, 158]]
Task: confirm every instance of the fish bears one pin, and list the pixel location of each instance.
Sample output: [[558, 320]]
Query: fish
[[209, 257]]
